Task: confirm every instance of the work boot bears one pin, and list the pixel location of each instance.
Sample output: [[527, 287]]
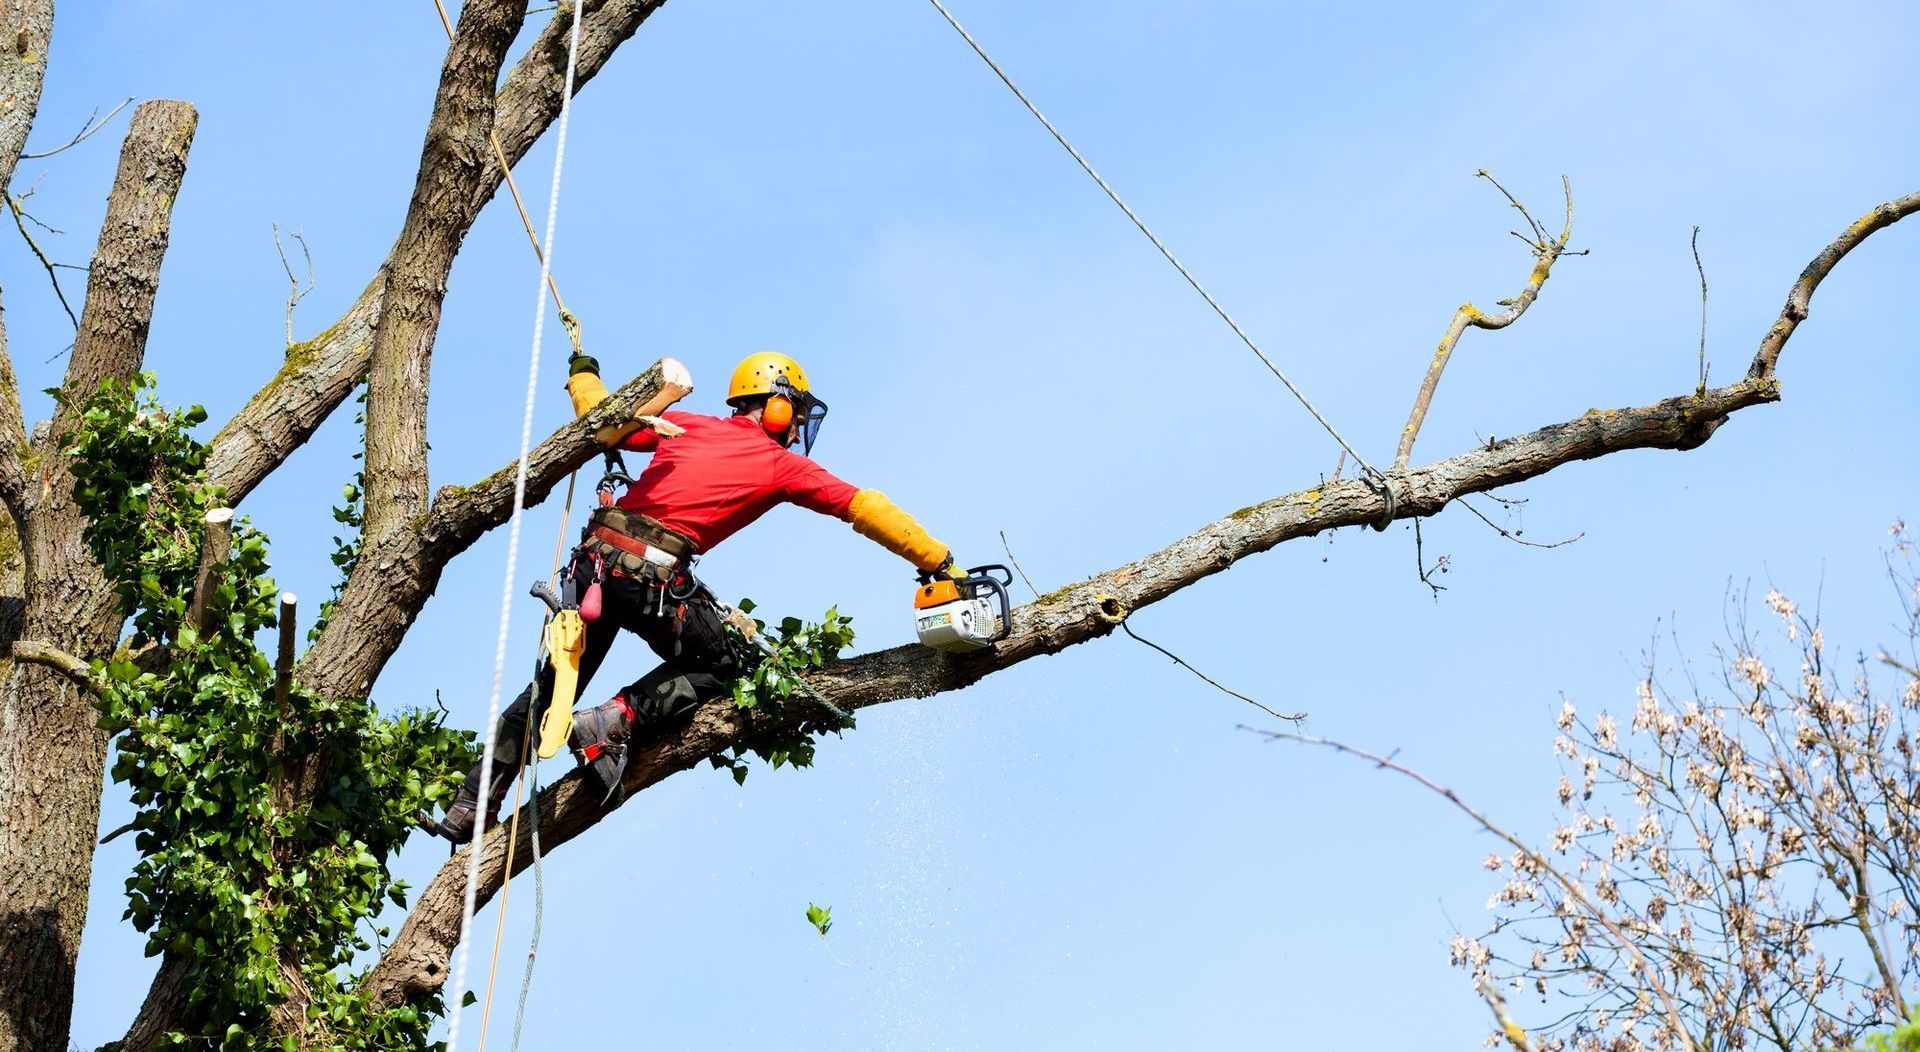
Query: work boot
[[599, 740], [457, 824]]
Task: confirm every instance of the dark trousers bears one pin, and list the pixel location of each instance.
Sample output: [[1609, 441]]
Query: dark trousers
[[697, 663]]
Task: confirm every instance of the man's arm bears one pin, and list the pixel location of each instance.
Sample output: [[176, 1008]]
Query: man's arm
[[873, 516], [587, 391]]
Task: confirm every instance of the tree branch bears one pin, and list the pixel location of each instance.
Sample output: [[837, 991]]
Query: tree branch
[[319, 374], [126, 264], [398, 572], [26, 28], [1800, 297], [1545, 253], [415, 963], [451, 166], [38, 653]]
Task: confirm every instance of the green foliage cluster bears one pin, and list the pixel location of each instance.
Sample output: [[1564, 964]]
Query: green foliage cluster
[[776, 682], [253, 886], [1903, 1038]]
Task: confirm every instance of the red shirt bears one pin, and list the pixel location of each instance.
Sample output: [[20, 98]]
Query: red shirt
[[724, 473]]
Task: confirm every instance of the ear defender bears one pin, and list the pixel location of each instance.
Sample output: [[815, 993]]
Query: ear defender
[[777, 417]]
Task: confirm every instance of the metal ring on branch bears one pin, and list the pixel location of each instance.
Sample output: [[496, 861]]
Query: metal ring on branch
[[1392, 509]]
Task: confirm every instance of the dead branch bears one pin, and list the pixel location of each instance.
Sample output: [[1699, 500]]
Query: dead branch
[[20, 217], [1546, 253], [294, 292], [1702, 269], [94, 123], [1800, 297]]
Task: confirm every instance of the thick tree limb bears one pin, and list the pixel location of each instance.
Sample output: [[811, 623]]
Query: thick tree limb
[[451, 167], [125, 273], [321, 373], [415, 964], [398, 572], [26, 28], [52, 755]]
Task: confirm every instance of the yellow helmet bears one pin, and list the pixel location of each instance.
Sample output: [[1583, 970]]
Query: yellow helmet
[[792, 413], [757, 374]]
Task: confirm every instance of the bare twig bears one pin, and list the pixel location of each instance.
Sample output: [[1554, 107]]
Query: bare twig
[[1420, 563], [19, 220], [1294, 718], [117, 834], [1016, 564], [294, 292], [1572, 888], [1546, 253], [1512, 536], [85, 133], [1698, 266]]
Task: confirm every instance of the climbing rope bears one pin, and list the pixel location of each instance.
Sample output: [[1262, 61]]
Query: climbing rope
[[1157, 243], [513, 534]]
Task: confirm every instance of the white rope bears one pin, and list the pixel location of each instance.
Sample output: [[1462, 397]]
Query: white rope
[[475, 849], [1060, 138]]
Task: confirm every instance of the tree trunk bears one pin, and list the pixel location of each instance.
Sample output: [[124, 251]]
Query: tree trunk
[[52, 750]]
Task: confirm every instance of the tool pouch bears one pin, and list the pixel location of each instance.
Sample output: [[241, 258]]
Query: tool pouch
[[635, 545]]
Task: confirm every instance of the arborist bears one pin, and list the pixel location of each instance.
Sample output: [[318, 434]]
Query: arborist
[[709, 477]]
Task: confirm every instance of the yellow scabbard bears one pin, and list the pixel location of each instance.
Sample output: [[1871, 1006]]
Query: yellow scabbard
[[566, 641]]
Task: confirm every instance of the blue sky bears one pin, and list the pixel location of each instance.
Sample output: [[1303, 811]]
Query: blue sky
[[1082, 852]]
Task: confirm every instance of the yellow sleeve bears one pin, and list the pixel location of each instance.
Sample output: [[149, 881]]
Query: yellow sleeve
[[587, 391], [881, 520]]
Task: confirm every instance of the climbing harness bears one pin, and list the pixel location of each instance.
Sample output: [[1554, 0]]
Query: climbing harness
[[468, 899], [1379, 478]]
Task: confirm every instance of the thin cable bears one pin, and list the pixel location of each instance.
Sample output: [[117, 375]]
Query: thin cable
[[513, 546], [1151, 236], [1295, 718]]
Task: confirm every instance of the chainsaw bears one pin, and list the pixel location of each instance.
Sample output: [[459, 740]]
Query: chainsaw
[[968, 614]]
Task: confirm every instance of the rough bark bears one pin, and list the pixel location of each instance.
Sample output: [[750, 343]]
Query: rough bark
[[415, 963], [26, 29], [51, 750], [321, 373], [451, 165]]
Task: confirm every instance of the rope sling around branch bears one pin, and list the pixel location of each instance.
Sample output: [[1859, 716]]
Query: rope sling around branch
[[1378, 477], [476, 847]]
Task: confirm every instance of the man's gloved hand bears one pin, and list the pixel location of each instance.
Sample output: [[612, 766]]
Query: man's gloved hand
[[950, 569], [741, 622]]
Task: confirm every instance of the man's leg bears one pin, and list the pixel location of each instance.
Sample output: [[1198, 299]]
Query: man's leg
[[699, 665], [510, 738]]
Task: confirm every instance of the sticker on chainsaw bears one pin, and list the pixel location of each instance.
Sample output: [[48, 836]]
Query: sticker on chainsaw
[[935, 621]]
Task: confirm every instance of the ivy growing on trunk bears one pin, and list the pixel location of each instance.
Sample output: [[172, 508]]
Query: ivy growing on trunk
[[265, 828]]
